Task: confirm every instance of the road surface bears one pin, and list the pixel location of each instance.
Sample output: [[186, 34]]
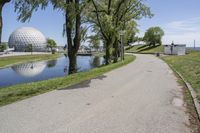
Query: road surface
[[142, 97], [2, 54]]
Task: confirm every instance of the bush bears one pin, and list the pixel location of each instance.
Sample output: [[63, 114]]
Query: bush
[[3, 47]]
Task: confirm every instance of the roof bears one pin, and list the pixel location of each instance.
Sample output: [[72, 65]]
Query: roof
[[175, 44]]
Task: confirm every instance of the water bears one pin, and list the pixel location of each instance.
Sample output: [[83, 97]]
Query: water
[[197, 48], [43, 70]]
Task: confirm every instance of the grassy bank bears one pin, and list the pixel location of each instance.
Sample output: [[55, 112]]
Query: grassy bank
[[6, 61], [22, 91], [145, 49], [189, 66]]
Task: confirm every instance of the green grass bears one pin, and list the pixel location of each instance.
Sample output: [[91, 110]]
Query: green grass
[[6, 61], [145, 49], [22, 91], [189, 66], [100, 54]]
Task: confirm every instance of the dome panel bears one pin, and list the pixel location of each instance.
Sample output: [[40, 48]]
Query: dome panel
[[22, 37]]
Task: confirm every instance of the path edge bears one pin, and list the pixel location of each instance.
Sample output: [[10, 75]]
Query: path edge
[[191, 90]]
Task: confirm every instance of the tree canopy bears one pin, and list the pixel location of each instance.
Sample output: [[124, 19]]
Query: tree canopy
[[51, 44], [109, 17], [3, 47], [154, 36], [94, 42]]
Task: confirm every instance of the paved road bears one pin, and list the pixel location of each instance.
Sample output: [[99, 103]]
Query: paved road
[[142, 97], [21, 53]]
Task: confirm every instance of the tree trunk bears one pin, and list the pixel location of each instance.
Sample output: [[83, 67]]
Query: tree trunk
[[116, 51], [73, 44], [108, 54], [72, 63]]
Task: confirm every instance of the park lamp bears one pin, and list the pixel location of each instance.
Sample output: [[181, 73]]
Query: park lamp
[[121, 34]]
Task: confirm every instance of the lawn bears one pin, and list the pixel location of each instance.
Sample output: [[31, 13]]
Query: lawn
[[189, 66], [145, 49], [22, 91], [6, 61]]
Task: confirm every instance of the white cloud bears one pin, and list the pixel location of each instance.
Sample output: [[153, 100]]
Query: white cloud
[[183, 31]]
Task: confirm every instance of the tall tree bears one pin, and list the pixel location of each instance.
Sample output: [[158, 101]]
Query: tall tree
[[73, 10], [113, 16], [73, 20]]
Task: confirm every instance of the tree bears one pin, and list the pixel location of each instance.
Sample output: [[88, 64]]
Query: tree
[[109, 17], [51, 44], [72, 10], [3, 47], [51, 63], [154, 36], [94, 42], [29, 48]]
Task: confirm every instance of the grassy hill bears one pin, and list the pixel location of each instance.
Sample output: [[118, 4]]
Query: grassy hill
[[145, 49]]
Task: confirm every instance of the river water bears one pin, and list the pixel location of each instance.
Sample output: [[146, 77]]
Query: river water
[[43, 70]]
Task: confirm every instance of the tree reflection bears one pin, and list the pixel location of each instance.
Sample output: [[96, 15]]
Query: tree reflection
[[96, 61], [51, 63]]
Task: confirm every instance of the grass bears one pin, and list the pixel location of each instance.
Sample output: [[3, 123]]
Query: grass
[[22, 91], [101, 54], [6, 61], [189, 66], [145, 49]]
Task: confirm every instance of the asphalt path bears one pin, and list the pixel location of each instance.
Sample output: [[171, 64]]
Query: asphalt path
[[141, 97]]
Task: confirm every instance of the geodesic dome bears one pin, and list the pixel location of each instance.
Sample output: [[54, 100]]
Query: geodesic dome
[[23, 37]]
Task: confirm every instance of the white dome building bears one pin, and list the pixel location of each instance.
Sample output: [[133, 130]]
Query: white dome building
[[23, 37]]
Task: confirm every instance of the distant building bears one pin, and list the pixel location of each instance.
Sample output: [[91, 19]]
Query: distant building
[[137, 43], [84, 49], [175, 49], [61, 48], [23, 37]]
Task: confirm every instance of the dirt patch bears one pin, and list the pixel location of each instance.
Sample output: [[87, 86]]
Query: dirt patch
[[177, 102]]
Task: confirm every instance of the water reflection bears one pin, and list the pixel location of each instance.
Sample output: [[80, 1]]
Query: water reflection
[[51, 63], [43, 70], [96, 61], [29, 69]]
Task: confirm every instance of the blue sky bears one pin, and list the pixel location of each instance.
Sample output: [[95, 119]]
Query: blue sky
[[180, 20]]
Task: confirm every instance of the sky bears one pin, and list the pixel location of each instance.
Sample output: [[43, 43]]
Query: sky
[[180, 20]]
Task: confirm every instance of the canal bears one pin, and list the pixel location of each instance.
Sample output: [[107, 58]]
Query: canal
[[43, 70]]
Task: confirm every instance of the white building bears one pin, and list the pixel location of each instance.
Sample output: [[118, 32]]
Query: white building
[[137, 43], [176, 49], [21, 38]]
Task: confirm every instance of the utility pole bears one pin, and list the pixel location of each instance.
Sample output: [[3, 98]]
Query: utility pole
[[194, 44]]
